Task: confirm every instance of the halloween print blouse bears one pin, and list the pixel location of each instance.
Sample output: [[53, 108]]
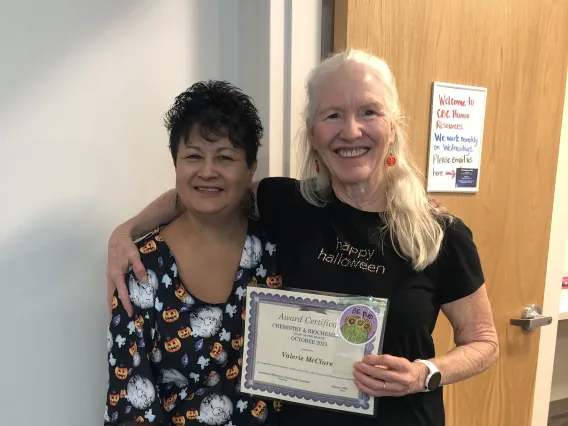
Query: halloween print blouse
[[177, 360]]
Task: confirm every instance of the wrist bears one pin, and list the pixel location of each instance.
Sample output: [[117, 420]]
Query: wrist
[[128, 228], [422, 372], [433, 378]]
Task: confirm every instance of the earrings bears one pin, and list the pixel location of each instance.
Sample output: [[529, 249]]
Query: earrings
[[391, 159], [317, 166], [177, 201]]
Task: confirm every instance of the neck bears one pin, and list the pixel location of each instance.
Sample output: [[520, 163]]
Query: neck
[[214, 227], [362, 196]]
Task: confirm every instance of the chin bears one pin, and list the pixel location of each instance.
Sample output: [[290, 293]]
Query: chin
[[352, 176], [209, 208]]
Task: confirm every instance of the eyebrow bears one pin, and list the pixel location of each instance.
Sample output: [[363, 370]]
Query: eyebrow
[[223, 148], [365, 104]]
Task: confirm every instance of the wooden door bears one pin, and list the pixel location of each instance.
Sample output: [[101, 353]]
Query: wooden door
[[518, 50]]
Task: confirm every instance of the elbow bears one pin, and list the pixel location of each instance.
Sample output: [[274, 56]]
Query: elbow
[[483, 351], [493, 351]]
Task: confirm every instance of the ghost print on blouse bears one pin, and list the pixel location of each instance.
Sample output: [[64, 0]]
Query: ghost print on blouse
[[178, 359]]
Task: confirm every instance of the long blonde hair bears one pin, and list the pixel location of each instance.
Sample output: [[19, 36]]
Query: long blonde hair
[[413, 226]]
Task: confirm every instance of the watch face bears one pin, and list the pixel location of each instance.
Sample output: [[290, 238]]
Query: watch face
[[434, 381]]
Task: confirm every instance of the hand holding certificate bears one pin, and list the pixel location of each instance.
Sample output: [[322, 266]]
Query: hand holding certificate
[[301, 347]]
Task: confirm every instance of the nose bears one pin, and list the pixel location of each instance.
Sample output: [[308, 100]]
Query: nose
[[351, 129], [207, 170]]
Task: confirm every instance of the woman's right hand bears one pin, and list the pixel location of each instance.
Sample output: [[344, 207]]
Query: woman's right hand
[[122, 253]]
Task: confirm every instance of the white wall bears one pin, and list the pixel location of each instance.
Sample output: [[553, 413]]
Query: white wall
[[83, 88]]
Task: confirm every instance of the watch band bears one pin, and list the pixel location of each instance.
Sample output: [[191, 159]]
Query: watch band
[[433, 378]]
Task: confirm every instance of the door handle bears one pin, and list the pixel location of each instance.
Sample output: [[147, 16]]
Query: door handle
[[531, 318]]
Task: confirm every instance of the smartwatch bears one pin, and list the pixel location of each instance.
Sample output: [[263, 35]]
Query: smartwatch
[[433, 378]]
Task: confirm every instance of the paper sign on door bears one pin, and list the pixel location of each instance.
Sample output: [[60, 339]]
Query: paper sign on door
[[456, 133]]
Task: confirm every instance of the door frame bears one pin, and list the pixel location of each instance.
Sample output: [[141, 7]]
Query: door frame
[[554, 271]]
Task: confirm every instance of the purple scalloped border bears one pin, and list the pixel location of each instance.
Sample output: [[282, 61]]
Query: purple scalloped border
[[361, 403]]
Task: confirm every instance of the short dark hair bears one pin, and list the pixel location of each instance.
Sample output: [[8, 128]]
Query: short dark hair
[[220, 109]]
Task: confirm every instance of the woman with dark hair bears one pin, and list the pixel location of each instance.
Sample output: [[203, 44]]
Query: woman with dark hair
[[178, 357]]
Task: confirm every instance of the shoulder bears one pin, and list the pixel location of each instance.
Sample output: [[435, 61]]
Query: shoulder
[[256, 228], [456, 233], [259, 251], [150, 246], [258, 239], [458, 266], [278, 187], [276, 199]]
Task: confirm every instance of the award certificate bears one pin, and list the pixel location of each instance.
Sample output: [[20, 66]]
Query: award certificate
[[301, 346]]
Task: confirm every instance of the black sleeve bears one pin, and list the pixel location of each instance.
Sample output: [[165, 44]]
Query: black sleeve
[[459, 265], [275, 198]]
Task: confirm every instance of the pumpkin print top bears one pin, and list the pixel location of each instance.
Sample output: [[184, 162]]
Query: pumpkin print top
[[177, 360]]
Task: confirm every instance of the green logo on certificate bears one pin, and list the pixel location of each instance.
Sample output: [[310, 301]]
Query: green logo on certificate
[[358, 324]]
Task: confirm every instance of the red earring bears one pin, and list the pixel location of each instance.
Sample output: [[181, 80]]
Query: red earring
[[317, 167], [391, 159]]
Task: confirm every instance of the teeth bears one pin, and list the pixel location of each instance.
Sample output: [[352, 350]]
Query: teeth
[[352, 152], [208, 189]]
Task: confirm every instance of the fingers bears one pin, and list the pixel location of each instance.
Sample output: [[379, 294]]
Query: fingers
[[400, 375], [365, 389], [376, 372], [124, 295], [377, 387], [138, 267], [141, 274], [110, 291], [389, 361], [121, 253], [433, 202], [116, 281]]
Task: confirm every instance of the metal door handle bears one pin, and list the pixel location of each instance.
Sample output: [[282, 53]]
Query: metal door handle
[[531, 318]]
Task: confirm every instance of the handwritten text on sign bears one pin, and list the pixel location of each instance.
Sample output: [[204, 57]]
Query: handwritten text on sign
[[456, 132]]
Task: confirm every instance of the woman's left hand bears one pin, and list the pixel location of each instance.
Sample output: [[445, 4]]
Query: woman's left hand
[[386, 375]]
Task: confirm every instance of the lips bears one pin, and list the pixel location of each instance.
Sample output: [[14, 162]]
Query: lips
[[351, 152], [208, 190]]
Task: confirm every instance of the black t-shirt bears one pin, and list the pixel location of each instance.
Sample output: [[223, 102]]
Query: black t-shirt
[[332, 249]]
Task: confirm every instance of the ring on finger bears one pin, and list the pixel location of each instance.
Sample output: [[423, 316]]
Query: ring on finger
[[384, 385]]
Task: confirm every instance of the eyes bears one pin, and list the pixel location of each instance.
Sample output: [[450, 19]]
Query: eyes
[[367, 112], [197, 157]]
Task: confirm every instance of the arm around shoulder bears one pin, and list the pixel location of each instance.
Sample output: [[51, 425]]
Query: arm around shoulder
[[122, 251]]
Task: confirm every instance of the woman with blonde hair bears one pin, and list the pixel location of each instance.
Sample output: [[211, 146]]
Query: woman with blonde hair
[[361, 196]]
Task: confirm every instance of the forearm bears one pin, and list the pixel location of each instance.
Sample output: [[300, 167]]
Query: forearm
[[162, 210], [467, 360]]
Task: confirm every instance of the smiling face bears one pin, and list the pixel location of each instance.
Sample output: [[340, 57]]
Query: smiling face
[[352, 128], [212, 177]]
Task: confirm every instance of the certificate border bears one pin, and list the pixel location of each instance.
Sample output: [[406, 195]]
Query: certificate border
[[258, 296]]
